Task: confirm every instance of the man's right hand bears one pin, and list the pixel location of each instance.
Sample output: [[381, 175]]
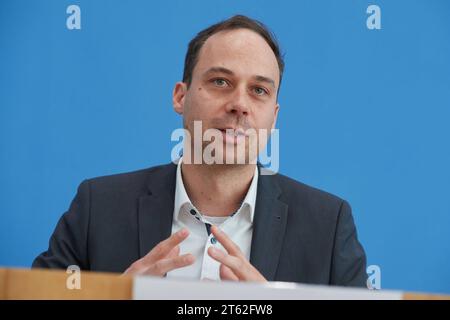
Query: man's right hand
[[164, 257]]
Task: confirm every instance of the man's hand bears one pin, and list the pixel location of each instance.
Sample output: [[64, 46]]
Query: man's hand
[[164, 257], [234, 265]]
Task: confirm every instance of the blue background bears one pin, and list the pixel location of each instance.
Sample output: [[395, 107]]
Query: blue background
[[364, 113]]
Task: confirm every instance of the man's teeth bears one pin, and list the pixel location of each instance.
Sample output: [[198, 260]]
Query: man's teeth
[[234, 133]]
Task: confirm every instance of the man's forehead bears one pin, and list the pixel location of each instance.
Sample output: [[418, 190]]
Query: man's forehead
[[230, 49]]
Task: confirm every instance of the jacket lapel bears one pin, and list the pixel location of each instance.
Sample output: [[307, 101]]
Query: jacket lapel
[[156, 208], [269, 225]]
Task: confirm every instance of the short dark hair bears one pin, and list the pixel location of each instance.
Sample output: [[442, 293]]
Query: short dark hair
[[233, 23]]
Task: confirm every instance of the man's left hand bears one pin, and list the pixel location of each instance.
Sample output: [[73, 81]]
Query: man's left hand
[[234, 265]]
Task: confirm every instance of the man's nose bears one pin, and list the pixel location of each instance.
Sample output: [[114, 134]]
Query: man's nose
[[239, 104]]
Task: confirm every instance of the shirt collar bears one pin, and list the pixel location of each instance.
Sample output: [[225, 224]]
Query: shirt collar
[[181, 197]]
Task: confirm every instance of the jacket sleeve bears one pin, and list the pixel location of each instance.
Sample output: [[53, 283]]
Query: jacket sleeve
[[349, 259], [68, 243]]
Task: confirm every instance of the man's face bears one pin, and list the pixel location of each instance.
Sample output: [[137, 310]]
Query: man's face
[[234, 86]]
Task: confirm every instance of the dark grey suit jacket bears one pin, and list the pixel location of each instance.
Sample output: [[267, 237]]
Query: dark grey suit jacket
[[300, 234]]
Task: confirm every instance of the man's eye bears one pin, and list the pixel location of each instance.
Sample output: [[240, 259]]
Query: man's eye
[[220, 82], [260, 91]]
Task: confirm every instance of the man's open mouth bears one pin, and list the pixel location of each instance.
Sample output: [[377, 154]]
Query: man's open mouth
[[232, 136], [233, 132]]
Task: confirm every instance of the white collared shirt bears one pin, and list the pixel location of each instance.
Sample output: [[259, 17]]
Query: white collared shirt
[[239, 227]]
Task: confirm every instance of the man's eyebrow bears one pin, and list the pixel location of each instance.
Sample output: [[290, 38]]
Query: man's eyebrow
[[219, 70], [265, 79]]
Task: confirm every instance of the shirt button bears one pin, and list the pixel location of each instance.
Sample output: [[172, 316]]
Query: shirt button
[[213, 240], [193, 212]]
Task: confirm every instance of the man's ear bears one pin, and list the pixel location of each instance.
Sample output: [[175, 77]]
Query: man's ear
[[277, 107], [178, 95]]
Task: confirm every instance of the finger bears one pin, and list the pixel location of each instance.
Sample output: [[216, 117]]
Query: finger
[[174, 252], [163, 266], [227, 274], [163, 248], [235, 264], [241, 267], [226, 242], [141, 266]]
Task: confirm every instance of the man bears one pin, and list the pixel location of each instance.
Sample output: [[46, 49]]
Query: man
[[220, 220]]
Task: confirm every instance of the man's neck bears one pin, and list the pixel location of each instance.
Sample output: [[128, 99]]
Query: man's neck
[[217, 190]]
